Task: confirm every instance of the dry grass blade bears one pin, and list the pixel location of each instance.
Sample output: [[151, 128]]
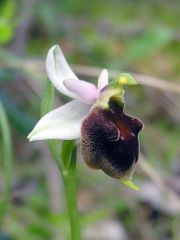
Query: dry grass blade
[[95, 71], [36, 67], [142, 79]]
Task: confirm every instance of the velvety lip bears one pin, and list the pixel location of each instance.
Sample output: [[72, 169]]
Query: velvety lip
[[109, 140]]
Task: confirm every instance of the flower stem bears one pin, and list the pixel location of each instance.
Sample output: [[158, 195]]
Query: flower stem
[[68, 175], [65, 157], [70, 189]]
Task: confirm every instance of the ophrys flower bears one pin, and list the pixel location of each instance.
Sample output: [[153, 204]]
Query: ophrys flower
[[65, 121], [109, 137]]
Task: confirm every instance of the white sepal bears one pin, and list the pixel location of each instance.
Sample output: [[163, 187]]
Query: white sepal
[[58, 70], [61, 123]]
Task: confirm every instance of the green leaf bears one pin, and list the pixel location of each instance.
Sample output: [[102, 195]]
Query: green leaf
[[143, 46], [8, 9], [6, 32], [73, 159], [67, 148], [47, 102]]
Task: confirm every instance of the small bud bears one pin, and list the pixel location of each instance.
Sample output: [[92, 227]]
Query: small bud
[[126, 78]]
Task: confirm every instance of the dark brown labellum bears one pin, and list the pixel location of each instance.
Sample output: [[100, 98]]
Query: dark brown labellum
[[109, 140]]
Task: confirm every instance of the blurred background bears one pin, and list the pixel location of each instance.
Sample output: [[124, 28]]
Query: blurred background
[[140, 37]]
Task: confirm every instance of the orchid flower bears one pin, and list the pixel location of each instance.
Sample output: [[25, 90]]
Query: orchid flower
[[65, 121], [109, 137]]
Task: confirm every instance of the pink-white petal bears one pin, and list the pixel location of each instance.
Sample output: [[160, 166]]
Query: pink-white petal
[[85, 91], [58, 70], [61, 123], [103, 79]]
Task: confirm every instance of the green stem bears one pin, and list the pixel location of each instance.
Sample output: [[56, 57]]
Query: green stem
[[65, 157], [70, 189], [7, 160], [68, 175]]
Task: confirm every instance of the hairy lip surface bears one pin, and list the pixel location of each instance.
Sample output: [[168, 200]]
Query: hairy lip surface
[[109, 140]]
